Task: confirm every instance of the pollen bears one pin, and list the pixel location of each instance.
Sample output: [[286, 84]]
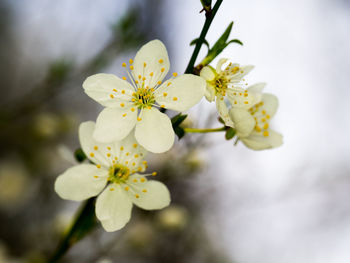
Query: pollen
[[159, 82], [263, 112], [144, 64], [144, 78], [95, 176], [162, 106], [136, 155], [92, 154], [168, 84], [122, 104], [95, 148], [161, 61], [98, 165], [108, 155], [124, 65], [140, 76], [123, 91], [135, 180], [267, 116], [266, 133], [131, 61], [134, 145], [122, 148], [246, 102], [137, 196], [175, 99], [126, 188], [151, 74], [115, 90], [111, 189], [124, 78], [112, 96], [131, 67], [144, 190], [257, 128], [266, 126], [109, 148], [245, 94], [174, 74], [124, 115], [154, 173], [162, 69], [127, 154], [139, 119]]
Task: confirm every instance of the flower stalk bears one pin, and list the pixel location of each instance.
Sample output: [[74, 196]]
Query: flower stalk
[[194, 130]]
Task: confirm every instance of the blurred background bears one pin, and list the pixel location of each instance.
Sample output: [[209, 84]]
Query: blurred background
[[230, 204]]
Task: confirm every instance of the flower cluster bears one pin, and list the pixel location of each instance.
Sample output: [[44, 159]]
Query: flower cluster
[[132, 124], [248, 111]]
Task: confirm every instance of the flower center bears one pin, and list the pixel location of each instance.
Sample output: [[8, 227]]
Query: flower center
[[143, 98], [118, 173], [261, 119], [220, 83]]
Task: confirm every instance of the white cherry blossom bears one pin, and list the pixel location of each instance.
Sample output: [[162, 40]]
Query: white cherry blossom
[[115, 177], [253, 125], [137, 103], [230, 84]]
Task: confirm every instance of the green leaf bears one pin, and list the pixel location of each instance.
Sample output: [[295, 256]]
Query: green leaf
[[194, 41], [230, 133], [177, 120], [235, 41], [79, 155], [180, 132]]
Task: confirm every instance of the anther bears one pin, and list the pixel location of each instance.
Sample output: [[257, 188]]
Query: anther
[[95, 148], [122, 104], [124, 65], [124, 78], [162, 69], [108, 155], [165, 94], [112, 96], [124, 115], [122, 148], [137, 196], [139, 119], [154, 173], [131, 67], [92, 154], [123, 91], [111, 189], [131, 61], [109, 148], [161, 61], [135, 180], [144, 190], [175, 99], [95, 176], [266, 133], [98, 165], [126, 188], [174, 74], [132, 109], [142, 180], [134, 145]]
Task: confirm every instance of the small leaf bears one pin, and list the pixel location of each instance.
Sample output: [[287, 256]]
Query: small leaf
[[180, 132], [230, 133], [235, 41], [79, 155], [194, 41], [177, 120]]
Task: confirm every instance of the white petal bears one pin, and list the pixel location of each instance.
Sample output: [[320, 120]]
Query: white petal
[[244, 99], [81, 182], [257, 141], [210, 93], [113, 208], [257, 88], [113, 125], [130, 153], [182, 93], [243, 121], [148, 195], [150, 60], [107, 89], [207, 73], [270, 103], [155, 132], [95, 151], [219, 64], [223, 111]]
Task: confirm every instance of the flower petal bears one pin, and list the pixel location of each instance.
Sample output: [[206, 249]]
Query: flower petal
[[114, 124], [152, 63], [257, 141], [245, 99], [219, 64], [154, 132], [81, 182], [209, 93], [148, 195], [270, 103], [130, 153], [181, 93], [223, 110], [113, 208], [243, 121], [108, 90], [207, 73]]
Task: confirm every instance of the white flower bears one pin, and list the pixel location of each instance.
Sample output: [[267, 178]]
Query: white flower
[[252, 125], [133, 104], [114, 177], [228, 83]]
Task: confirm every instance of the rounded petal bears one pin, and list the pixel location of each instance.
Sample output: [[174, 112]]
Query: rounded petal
[[219, 64], [154, 132], [223, 111], [113, 208], [181, 93], [244, 99], [81, 182], [107, 89], [95, 151], [270, 103], [257, 141], [243, 121], [130, 153], [209, 93], [207, 73], [148, 195], [114, 124], [151, 62]]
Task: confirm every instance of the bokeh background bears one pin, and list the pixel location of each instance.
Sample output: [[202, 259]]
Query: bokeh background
[[230, 204]]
